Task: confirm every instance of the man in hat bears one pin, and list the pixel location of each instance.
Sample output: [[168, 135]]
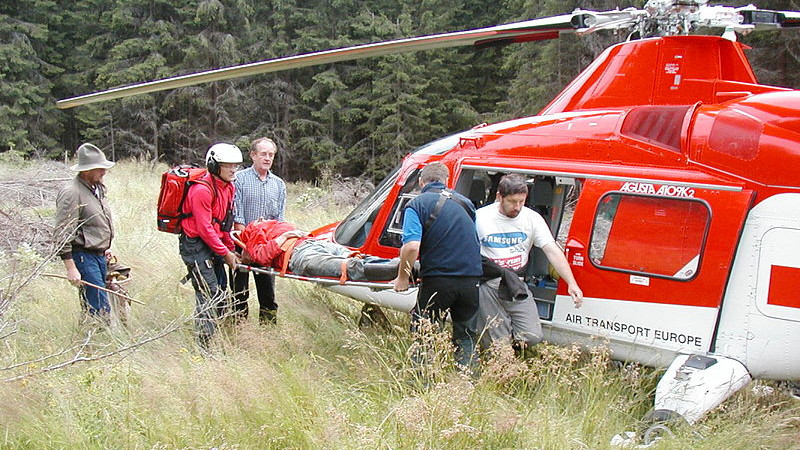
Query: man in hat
[[84, 229]]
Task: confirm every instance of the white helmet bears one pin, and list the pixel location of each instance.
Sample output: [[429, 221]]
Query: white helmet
[[222, 153]]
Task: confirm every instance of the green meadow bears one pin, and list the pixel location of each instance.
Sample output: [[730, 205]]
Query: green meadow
[[316, 380]]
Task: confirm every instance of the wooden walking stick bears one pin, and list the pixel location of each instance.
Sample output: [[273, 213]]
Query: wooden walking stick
[[54, 275]]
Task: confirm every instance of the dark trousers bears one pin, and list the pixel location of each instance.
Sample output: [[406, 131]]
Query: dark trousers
[[460, 295], [209, 280], [265, 289]]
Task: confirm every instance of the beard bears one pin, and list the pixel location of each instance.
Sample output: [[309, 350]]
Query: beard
[[511, 214]]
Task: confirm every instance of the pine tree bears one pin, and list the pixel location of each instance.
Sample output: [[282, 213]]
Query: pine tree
[[130, 42], [28, 120]]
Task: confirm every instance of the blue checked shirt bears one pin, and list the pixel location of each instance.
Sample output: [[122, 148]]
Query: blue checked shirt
[[256, 199]]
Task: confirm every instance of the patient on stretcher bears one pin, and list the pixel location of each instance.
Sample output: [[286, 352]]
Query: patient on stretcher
[[281, 246]]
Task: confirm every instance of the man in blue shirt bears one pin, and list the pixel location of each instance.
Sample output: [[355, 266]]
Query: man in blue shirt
[[260, 194], [439, 226]]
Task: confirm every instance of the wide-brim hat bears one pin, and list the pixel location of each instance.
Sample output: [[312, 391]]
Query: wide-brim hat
[[90, 157]]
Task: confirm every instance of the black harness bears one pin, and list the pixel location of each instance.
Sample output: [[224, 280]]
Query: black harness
[[444, 195]]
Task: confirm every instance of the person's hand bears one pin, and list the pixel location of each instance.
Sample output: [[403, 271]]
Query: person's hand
[[108, 254], [231, 259], [577, 295], [400, 284], [295, 234], [246, 258], [74, 276], [279, 241]]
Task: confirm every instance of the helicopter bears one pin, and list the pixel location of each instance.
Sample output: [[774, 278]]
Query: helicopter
[[667, 173]]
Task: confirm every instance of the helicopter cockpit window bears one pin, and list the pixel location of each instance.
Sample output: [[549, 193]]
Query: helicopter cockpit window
[[653, 236], [353, 230], [392, 235]]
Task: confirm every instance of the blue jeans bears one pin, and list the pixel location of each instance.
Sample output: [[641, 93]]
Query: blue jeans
[[92, 267]]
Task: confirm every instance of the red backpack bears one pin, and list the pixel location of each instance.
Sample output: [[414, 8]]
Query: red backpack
[[175, 184]]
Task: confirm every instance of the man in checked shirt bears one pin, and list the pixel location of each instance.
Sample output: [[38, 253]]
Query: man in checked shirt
[[260, 194]]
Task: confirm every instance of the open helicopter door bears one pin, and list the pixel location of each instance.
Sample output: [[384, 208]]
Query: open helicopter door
[[653, 261]]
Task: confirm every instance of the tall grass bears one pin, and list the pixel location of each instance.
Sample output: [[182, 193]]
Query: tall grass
[[314, 380]]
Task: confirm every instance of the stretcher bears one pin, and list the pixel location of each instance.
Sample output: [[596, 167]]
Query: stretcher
[[324, 281], [380, 293], [371, 292]]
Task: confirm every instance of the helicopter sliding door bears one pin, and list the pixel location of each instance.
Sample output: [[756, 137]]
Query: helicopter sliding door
[[653, 261]]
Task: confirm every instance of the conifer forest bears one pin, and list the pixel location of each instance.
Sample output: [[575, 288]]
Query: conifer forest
[[353, 119]]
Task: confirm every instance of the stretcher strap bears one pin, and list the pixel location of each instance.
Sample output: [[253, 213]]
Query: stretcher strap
[[287, 247], [343, 277]]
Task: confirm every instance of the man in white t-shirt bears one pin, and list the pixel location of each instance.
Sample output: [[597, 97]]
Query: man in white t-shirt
[[507, 231]]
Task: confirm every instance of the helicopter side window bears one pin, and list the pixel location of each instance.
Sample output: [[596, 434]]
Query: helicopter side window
[[392, 235], [653, 236], [567, 192]]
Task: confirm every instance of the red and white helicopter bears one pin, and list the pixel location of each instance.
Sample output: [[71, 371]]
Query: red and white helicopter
[[668, 173]]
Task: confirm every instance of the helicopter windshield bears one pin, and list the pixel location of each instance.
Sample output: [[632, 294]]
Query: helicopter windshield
[[353, 230]]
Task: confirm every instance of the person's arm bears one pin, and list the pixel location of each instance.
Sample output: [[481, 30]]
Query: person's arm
[[280, 240], [238, 207], [408, 254], [200, 201], [559, 262], [73, 275], [67, 221], [282, 202], [412, 235], [67, 217]]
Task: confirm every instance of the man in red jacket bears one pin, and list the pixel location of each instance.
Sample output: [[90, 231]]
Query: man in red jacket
[[205, 243], [267, 242]]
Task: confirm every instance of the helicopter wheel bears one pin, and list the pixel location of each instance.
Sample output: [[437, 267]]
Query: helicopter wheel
[[659, 424], [655, 432]]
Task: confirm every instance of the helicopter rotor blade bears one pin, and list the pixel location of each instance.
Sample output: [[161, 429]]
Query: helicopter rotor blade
[[536, 29], [659, 18]]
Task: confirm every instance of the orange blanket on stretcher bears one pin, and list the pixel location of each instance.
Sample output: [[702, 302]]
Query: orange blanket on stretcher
[[259, 240]]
